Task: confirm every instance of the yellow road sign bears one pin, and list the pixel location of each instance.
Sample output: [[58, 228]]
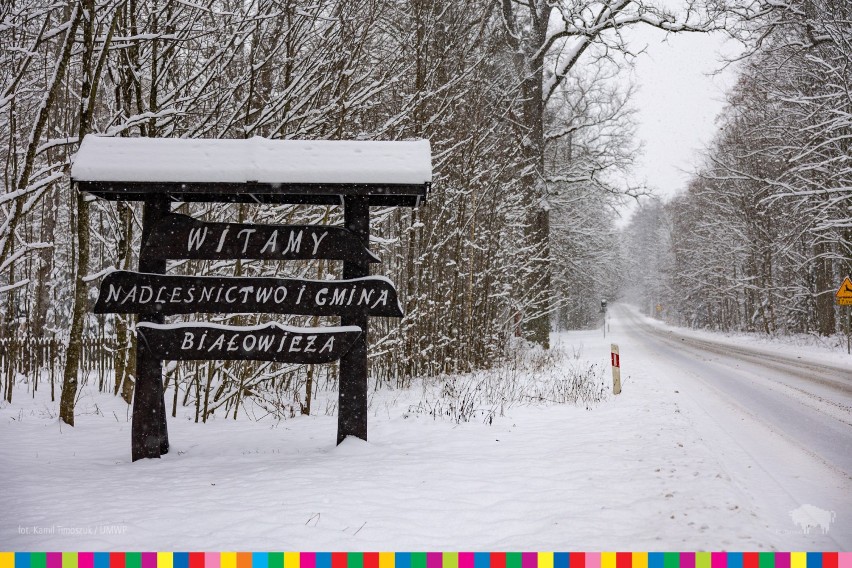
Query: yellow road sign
[[844, 293]]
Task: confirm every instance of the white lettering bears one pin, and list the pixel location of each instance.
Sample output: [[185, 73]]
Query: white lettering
[[294, 243], [232, 344], [187, 340], [321, 293], [329, 344], [145, 299], [130, 295], [383, 299], [339, 297], [249, 346], [248, 233], [112, 294], [317, 241], [283, 294], [271, 242], [222, 239], [220, 341], [196, 238], [366, 296], [265, 342], [263, 294]]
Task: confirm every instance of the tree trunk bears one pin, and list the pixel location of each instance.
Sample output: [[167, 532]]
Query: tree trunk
[[69, 383]]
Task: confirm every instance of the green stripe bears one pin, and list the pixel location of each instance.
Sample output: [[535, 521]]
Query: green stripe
[[133, 560], [355, 560], [671, 560], [767, 559], [513, 560], [37, 560]]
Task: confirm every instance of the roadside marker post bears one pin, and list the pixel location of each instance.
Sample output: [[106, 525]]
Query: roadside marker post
[[616, 370], [844, 298]]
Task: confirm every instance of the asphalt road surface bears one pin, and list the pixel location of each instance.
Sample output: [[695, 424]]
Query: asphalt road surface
[[783, 424]]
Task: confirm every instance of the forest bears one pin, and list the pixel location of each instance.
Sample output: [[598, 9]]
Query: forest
[[528, 112], [761, 238]]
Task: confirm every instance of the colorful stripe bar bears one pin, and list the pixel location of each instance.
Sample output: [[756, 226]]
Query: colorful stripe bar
[[425, 559]]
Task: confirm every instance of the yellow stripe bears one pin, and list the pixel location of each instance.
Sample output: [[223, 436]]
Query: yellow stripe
[[450, 560], [291, 560], [69, 560], [640, 560], [7, 560], [165, 560], [227, 560], [798, 560], [607, 559], [703, 560], [545, 560], [386, 560]]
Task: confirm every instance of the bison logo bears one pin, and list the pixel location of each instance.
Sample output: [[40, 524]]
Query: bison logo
[[808, 516]]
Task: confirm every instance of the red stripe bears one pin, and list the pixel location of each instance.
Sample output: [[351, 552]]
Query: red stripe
[[623, 559], [196, 560], [338, 560], [577, 560], [371, 560]]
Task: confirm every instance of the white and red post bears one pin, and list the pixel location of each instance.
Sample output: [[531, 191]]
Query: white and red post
[[616, 370]]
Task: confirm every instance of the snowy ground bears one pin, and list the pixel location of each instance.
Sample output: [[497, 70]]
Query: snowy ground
[[645, 470]]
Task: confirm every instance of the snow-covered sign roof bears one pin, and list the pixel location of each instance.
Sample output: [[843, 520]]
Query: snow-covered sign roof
[[255, 169]]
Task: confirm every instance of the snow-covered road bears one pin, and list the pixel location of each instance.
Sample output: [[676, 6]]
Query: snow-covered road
[[780, 425]]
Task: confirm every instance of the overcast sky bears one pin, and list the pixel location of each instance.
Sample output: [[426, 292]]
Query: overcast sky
[[678, 100]]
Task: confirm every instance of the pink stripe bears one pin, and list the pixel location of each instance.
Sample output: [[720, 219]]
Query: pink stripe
[[782, 560], [593, 560], [86, 560], [844, 560], [307, 560], [720, 560], [54, 560], [149, 559], [465, 559], [529, 560], [687, 560], [434, 560], [211, 559]]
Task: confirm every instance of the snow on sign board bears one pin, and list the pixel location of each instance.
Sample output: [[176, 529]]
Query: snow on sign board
[[256, 159], [255, 170], [844, 293]]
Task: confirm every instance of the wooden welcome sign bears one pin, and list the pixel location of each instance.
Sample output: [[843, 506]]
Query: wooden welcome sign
[[356, 175]]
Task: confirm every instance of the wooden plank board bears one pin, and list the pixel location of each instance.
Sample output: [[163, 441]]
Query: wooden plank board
[[128, 292], [181, 236], [269, 342]]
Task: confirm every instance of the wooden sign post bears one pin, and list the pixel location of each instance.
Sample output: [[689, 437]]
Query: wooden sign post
[[356, 175]]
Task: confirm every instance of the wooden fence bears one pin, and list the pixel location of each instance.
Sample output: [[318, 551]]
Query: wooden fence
[[43, 360]]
